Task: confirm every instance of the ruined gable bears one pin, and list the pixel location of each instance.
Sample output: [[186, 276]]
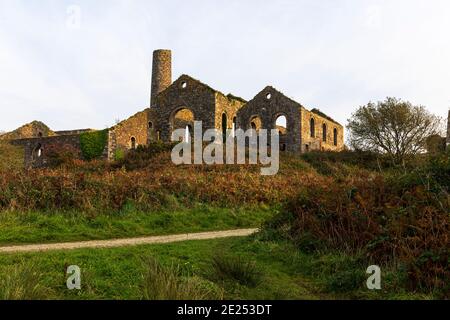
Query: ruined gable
[[185, 93], [265, 108], [35, 129]]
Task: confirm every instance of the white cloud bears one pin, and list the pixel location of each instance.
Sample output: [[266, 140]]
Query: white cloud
[[86, 68]]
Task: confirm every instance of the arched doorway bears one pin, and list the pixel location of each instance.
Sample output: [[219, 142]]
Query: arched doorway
[[281, 125], [133, 143], [255, 123], [183, 118]]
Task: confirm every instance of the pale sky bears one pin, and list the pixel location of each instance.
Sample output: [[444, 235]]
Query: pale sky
[[84, 64]]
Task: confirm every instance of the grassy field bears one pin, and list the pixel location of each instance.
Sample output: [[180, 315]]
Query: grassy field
[[40, 227], [236, 268], [325, 218]]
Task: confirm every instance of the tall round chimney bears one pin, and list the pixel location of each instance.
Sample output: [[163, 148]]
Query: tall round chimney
[[161, 73]]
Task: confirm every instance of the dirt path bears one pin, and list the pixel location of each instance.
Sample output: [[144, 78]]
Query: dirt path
[[127, 242]]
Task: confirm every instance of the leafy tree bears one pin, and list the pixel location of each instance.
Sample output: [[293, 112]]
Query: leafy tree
[[393, 127]]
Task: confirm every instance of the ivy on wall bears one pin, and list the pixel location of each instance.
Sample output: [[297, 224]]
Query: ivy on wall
[[93, 143]]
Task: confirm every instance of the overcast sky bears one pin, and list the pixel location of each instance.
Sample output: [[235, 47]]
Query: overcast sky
[[84, 64]]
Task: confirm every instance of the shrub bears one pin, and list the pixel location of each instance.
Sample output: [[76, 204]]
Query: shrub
[[345, 281], [399, 218], [142, 156], [61, 155], [236, 268]]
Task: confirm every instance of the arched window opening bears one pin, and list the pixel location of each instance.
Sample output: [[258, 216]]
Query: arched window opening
[[133, 143], [324, 132], [150, 125], [255, 123], [40, 134], [183, 118], [224, 126], [307, 147], [234, 127], [313, 128], [335, 137], [37, 153], [281, 124]]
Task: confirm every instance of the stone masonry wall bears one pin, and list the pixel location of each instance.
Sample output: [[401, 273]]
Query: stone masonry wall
[[184, 93], [226, 105], [268, 105], [316, 143], [36, 159], [134, 127]]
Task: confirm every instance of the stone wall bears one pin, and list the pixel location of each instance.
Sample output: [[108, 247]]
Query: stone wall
[[121, 135], [184, 93], [268, 105], [229, 106], [35, 149], [317, 142], [72, 132]]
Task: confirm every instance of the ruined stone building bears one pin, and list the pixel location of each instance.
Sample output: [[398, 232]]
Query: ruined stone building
[[177, 104]]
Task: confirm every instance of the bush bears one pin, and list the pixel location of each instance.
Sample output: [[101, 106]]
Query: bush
[[239, 269], [142, 156], [345, 281], [61, 155], [393, 219]]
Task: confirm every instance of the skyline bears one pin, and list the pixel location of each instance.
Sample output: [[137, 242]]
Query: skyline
[[75, 64]]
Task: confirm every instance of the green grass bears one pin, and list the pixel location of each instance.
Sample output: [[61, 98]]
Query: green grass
[[120, 273], [125, 273], [37, 227]]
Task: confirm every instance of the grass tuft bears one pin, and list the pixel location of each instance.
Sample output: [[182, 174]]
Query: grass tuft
[[169, 283], [237, 268], [22, 282]]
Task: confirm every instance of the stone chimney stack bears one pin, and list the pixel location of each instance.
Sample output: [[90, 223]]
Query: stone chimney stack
[[161, 73]]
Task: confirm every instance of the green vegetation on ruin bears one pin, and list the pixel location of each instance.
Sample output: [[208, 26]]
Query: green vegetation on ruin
[[93, 143]]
